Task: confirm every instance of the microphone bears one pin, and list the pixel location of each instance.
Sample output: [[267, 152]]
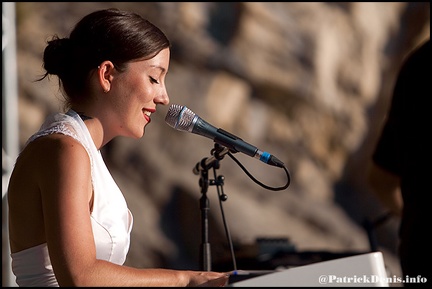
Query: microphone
[[182, 118]]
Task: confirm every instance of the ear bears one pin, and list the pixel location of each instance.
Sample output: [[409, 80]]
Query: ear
[[105, 73]]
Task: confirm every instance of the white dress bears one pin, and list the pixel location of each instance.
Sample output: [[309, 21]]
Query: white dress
[[111, 219]]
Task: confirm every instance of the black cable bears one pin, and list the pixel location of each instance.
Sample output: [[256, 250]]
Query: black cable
[[260, 183], [222, 198]]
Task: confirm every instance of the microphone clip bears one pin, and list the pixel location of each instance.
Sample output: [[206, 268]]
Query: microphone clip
[[218, 153]]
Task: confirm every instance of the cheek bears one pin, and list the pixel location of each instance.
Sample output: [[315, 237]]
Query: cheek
[[135, 89], [140, 89], [145, 94], [133, 94]]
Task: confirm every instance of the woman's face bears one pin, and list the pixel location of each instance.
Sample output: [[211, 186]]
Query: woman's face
[[137, 91]]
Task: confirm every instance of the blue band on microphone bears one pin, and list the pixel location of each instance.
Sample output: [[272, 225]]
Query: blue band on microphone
[[265, 157]]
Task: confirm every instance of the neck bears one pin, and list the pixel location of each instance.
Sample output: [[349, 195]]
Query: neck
[[94, 126]]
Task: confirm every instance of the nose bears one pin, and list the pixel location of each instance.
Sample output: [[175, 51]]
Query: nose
[[162, 98]]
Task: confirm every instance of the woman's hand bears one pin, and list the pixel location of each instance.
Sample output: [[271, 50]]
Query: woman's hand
[[207, 279]]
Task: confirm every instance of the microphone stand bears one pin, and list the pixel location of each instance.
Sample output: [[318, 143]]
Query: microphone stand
[[202, 168]]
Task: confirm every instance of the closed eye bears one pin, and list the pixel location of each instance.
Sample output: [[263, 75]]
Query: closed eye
[[152, 80]]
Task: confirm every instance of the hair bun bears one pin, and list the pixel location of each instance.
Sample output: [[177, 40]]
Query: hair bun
[[57, 55]]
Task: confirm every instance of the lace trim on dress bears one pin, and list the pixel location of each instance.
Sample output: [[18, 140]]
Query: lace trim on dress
[[59, 128]]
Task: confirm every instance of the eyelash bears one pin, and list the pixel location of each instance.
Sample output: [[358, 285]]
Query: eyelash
[[154, 80]]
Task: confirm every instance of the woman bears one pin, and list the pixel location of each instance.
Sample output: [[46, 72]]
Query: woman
[[69, 222]]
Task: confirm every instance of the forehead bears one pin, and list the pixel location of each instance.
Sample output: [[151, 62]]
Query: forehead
[[160, 61]]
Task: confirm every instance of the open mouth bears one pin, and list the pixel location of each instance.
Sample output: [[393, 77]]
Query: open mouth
[[147, 115]]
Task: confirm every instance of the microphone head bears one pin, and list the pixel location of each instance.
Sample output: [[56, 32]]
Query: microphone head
[[180, 117]]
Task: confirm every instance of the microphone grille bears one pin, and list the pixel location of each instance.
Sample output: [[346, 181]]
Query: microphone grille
[[180, 117]]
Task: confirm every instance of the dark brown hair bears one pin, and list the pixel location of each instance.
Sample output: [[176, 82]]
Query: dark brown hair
[[110, 34]]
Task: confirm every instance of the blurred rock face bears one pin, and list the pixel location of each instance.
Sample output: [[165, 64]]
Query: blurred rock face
[[308, 82]]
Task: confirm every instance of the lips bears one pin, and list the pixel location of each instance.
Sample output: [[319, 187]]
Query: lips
[[147, 114]]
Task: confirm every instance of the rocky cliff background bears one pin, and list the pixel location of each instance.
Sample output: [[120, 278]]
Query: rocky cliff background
[[308, 82]]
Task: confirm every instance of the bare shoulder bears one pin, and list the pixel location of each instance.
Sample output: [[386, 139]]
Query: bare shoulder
[[55, 148], [56, 143], [49, 156]]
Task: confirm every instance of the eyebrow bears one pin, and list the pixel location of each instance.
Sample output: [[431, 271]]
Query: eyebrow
[[160, 67]]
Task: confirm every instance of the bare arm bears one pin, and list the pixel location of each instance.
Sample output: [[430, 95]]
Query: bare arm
[[65, 183]]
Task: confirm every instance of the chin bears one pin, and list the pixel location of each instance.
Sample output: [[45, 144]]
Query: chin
[[142, 132], [139, 131], [136, 134]]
